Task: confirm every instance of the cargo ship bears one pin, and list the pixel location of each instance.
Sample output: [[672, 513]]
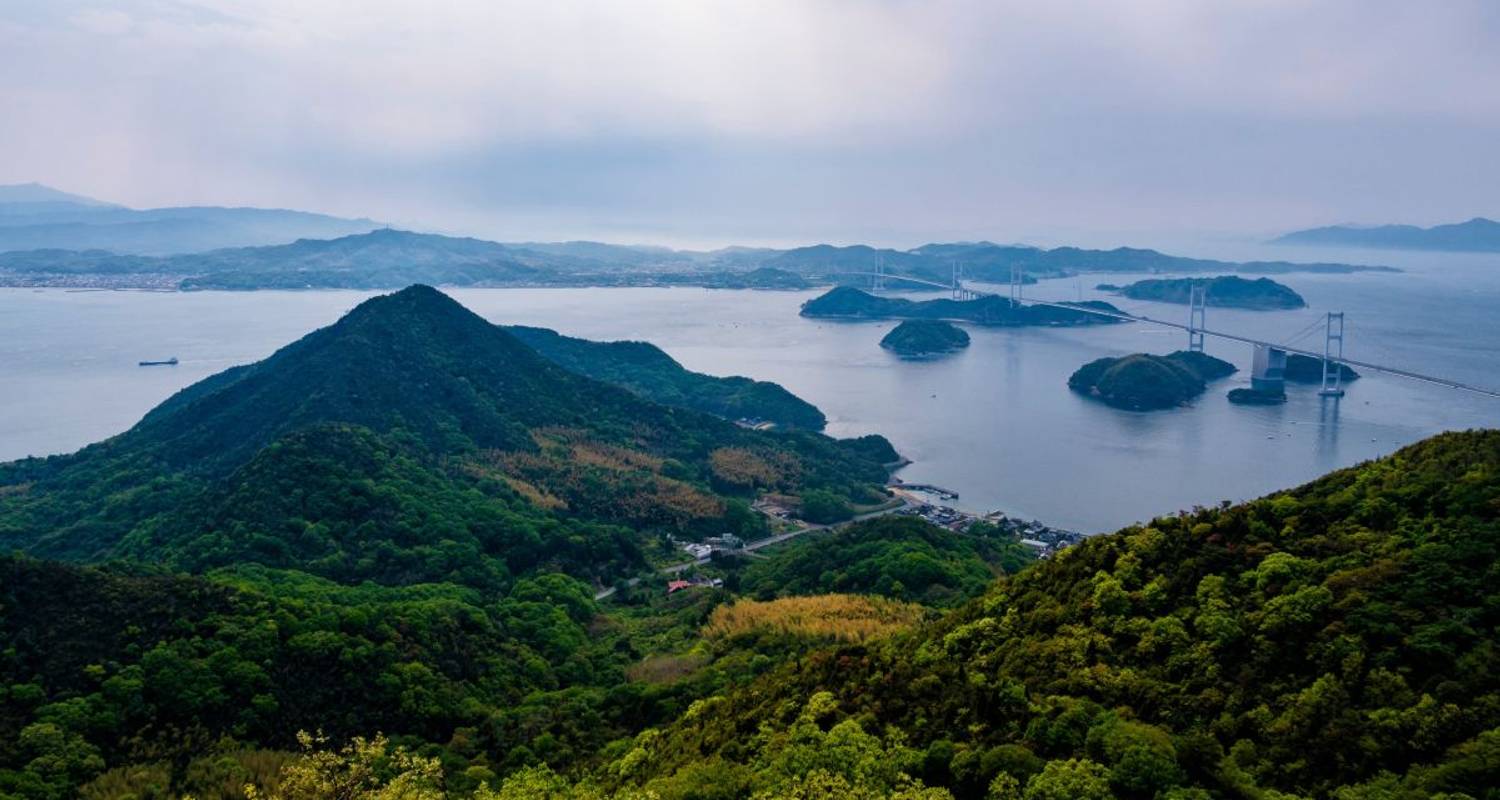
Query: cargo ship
[[171, 362]]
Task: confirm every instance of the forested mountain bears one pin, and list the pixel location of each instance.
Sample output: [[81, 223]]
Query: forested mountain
[[412, 440], [1336, 640], [397, 525], [1476, 235]]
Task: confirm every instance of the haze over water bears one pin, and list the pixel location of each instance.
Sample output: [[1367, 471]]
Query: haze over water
[[995, 423]]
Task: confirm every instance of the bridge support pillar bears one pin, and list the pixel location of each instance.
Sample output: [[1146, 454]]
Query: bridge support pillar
[[1017, 280], [1268, 370]]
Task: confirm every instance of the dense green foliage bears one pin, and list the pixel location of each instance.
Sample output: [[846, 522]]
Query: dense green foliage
[[104, 667], [1143, 382], [377, 521], [644, 369], [900, 557], [923, 337], [845, 302], [412, 441], [1224, 291], [1337, 640]]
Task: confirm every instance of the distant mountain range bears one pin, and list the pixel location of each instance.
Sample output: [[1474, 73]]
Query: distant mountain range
[[1478, 235], [52, 238], [387, 258], [33, 216]]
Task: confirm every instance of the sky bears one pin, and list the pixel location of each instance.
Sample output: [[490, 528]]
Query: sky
[[696, 122]]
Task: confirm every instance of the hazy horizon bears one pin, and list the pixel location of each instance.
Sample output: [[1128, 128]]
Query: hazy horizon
[[701, 125]]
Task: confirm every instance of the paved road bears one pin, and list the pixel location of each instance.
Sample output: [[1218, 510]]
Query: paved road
[[758, 544]]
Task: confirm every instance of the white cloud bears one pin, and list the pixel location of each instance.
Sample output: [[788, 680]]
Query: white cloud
[[777, 114]]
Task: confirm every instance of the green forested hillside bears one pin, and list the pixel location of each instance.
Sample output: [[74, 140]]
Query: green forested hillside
[[412, 441], [644, 369], [899, 557], [389, 536], [1332, 641], [1337, 640]]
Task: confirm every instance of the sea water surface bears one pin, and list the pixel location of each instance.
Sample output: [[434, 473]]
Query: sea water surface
[[996, 423]]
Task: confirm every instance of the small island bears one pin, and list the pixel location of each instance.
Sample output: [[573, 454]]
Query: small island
[[846, 302], [1224, 291], [1145, 382], [925, 338], [1306, 369], [1256, 397]]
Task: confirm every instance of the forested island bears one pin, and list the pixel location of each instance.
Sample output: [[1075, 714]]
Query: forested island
[[846, 302], [1306, 369], [1224, 291], [1145, 382], [1248, 396], [923, 338], [369, 566]]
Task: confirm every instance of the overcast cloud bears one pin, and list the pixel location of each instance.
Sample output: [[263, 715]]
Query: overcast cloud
[[687, 121]]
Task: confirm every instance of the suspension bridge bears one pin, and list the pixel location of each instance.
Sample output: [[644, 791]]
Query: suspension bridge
[[1269, 358]]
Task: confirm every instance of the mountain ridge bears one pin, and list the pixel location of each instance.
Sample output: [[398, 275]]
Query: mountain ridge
[[1478, 234]]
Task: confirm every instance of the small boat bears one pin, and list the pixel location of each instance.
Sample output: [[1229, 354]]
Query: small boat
[[171, 362]]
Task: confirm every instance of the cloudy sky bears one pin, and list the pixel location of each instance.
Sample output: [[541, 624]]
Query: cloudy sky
[[702, 122]]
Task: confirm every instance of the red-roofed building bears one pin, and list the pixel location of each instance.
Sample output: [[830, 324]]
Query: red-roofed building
[[677, 585]]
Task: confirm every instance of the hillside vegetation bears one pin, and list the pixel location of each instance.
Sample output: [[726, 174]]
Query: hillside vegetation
[[412, 441], [917, 338], [845, 302], [834, 617], [1224, 291], [1336, 640], [1145, 382], [644, 369]]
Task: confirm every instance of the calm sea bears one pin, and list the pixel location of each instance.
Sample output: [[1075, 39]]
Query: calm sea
[[995, 423]]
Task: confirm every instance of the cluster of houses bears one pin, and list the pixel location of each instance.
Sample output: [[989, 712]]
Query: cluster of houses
[[673, 587], [1041, 538], [702, 550]]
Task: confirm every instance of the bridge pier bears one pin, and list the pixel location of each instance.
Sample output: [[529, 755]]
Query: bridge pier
[[1268, 370]]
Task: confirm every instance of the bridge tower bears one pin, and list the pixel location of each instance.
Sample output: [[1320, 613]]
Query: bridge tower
[[1017, 280], [1333, 354], [959, 292], [877, 283], [1197, 313]]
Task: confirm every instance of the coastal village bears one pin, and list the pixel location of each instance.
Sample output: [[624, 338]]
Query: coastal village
[[916, 500]]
